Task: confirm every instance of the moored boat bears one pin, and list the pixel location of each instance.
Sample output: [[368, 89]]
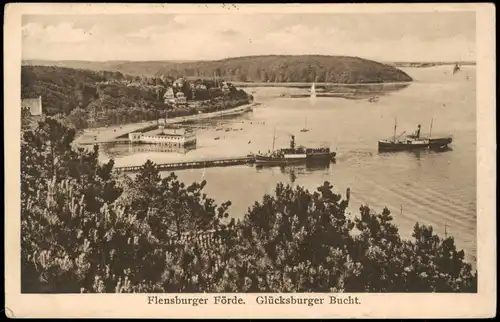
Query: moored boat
[[401, 145], [294, 154], [413, 141]]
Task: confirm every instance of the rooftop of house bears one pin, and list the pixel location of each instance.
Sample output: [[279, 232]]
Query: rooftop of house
[[168, 93], [168, 131]]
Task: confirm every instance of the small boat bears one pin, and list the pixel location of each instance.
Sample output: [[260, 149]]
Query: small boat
[[413, 142], [305, 129], [313, 90], [216, 138], [294, 154]]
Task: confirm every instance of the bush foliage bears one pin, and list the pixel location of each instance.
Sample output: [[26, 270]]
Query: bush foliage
[[87, 228]]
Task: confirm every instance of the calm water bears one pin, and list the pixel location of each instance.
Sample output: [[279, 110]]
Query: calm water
[[428, 187]]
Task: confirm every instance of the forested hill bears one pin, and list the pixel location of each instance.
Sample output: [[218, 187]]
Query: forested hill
[[305, 68]]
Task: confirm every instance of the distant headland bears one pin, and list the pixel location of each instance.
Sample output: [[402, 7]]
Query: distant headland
[[270, 69], [431, 64]]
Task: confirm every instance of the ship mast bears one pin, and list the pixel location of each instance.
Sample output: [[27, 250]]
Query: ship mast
[[274, 138], [395, 127], [430, 131]]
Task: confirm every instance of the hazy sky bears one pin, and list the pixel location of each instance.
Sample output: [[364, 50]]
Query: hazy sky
[[447, 36]]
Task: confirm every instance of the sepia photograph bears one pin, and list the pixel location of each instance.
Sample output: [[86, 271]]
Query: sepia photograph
[[229, 152]]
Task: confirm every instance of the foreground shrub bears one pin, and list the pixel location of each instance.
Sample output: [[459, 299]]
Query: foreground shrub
[[86, 228]]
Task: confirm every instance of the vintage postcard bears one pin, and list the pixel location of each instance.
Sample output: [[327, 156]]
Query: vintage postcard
[[250, 160]]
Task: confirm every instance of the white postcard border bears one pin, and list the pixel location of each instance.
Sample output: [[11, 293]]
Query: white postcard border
[[393, 305]]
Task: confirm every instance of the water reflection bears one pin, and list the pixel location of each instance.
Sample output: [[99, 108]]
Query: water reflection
[[306, 165], [293, 170], [418, 153], [355, 91], [441, 149]]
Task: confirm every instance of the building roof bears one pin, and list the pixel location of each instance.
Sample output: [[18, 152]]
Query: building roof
[[169, 93], [179, 82], [33, 104], [168, 132]]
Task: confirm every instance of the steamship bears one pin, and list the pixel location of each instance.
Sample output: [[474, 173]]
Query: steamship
[[294, 154]]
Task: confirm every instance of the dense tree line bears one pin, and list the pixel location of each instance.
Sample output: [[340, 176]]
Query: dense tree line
[[87, 228], [332, 69], [272, 68], [90, 98]]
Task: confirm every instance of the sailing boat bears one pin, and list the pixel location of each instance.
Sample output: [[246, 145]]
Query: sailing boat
[[305, 129], [456, 69], [313, 89]]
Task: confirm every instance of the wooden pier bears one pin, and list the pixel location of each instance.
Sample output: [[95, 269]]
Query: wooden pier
[[223, 162]]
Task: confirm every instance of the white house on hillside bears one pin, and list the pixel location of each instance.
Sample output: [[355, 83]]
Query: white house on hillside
[[34, 105], [169, 96], [179, 83], [225, 88]]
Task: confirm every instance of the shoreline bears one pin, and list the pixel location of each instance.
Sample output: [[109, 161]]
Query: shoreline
[[111, 134], [308, 84]]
